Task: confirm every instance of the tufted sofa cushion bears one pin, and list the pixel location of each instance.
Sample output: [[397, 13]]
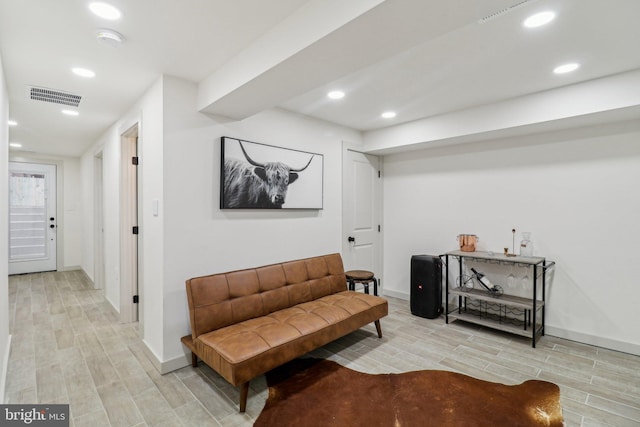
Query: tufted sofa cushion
[[242, 351]]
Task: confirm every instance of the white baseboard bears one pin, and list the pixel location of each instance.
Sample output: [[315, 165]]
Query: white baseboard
[[603, 342], [175, 363], [5, 366], [580, 337], [396, 294], [168, 365]]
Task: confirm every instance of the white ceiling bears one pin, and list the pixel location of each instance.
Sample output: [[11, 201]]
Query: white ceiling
[[419, 58]]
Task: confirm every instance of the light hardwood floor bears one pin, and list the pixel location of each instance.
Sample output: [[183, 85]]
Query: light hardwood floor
[[68, 347]]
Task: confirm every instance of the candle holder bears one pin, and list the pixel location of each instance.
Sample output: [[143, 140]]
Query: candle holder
[[506, 250]]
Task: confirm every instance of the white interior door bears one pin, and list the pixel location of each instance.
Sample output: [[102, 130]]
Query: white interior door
[[361, 212], [32, 217]]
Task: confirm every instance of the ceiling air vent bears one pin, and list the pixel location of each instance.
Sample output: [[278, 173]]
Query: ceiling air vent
[[501, 12], [54, 96]]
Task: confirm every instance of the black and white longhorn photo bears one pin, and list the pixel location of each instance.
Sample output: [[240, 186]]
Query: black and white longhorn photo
[[260, 176]]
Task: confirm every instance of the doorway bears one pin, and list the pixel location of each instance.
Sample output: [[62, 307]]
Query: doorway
[[32, 218], [98, 232], [129, 233], [361, 217]]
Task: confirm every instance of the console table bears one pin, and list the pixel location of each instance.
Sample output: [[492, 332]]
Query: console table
[[508, 313]]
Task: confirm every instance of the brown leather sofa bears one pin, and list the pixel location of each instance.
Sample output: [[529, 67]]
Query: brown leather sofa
[[245, 323]]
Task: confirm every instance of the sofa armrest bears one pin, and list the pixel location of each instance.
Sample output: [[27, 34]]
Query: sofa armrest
[[187, 340]]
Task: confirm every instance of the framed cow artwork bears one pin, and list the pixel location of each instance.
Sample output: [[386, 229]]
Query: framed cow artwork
[[260, 176]]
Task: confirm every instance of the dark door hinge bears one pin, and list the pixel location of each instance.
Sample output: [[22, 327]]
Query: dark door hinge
[[136, 229], [136, 299], [379, 174], [378, 228], [135, 160]]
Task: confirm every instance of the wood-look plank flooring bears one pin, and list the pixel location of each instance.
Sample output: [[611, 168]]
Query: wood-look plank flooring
[[69, 347]]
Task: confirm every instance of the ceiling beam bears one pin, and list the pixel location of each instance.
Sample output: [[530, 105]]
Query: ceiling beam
[[321, 42]]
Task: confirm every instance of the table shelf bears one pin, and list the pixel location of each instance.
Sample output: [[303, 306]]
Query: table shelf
[[499, 311], [475, 318], [511, 300]]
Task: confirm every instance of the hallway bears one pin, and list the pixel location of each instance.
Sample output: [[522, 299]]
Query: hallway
[[69, 347]]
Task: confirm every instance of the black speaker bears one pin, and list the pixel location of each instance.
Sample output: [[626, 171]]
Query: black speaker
[[426, 286]]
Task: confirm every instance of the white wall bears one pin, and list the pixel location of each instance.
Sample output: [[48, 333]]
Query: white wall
[[202, 239], [111, 195], [575, 190], [87, 202], [152, 259], [4, 231], [72, 209], [148, 112]]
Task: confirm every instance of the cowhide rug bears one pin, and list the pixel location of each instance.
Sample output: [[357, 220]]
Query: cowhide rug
[[314, 392]]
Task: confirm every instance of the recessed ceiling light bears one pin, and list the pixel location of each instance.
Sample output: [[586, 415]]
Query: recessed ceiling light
[[336, 94], [70, 112], [109, 37], [539, 19], [105, 11], [566, 68], [15, 145], [83, 72], [388, 114], [12, 123]]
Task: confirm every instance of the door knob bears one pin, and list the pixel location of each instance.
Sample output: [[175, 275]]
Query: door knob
[[351, 239]]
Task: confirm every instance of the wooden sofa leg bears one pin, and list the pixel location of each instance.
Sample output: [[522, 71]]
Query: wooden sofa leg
[[378, 328], [244, 392], [194, 360]]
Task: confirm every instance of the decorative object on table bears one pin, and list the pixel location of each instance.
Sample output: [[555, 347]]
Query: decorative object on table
[[526, 245], [494, 290], [506, 250], [260, 176], [464, 282], [312, 392], [468, 242]]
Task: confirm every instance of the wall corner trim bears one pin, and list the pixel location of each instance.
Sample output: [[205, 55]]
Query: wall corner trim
[[5, 370]]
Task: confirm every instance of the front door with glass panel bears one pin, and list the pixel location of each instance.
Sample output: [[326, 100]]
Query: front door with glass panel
[[32, 217]]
